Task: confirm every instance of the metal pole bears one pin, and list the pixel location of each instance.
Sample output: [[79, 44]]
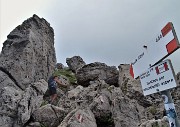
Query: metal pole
[[170, 109]]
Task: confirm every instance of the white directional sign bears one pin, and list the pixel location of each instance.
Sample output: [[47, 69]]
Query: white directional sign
[[162, 46], [158, 78]]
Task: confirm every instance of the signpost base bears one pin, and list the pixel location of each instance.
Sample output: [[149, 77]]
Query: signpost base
[[170, 109]]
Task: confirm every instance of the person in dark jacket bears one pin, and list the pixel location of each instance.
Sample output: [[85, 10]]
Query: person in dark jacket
[[52, 86]]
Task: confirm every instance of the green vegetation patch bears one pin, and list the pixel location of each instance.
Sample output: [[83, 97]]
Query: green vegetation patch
[[68, 73], [153, 110]]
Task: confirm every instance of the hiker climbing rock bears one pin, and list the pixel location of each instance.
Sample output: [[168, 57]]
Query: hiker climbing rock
[[52, 86]]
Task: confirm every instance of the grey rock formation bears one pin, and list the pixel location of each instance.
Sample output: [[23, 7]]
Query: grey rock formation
[[28, 54], [59, 66], [148, 106], [125, 113], [131, 87], [176, 98], [31, 100], [17, 105], [49, 115], [97, 70], [9, 99], [79, 118], [102, 97], [101, 108], [156, 123], [75, 63]]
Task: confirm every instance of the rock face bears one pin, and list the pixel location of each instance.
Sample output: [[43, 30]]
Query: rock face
[[28, 54], [17, 106], [97, 70], [49, 115], [26, 61], [102, 97], [75, 63]]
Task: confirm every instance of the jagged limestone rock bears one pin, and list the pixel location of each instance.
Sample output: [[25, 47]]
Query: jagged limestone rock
[[75, 63], [30, 101], [152, 105], [176, 98], [126, 81], [49, 115], [156, 123], [101, 109], [75, 92], [97, 70], [7, 80], [9, 100], [28, 54], [82, 118], [124, 112], [10, 95], [59, 66], [17, 106]]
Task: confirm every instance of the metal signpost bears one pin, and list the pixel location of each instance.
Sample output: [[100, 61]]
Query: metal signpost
[[157, 75], [161, 78]]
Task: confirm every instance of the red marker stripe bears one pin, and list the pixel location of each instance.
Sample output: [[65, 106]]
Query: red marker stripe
[[166, 29], [166, 66], [131, 71], [157, 70], [171, 46]]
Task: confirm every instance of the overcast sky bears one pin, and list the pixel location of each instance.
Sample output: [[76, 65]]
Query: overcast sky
[[107, 31]]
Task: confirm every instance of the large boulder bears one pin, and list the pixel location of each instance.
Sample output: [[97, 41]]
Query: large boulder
[[132, 87], [9, 99], [31, 100], [17, 106], [101, 109], [124, 112], [156, 123], [79, 118], [28, 54], [126, 82], [49, 115], [97, 70], [75, 63]]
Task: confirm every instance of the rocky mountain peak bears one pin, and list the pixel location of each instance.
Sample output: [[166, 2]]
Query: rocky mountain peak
[[97, 95], [28, 53]]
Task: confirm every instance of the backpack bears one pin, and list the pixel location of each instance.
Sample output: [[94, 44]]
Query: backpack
[[51, 82]]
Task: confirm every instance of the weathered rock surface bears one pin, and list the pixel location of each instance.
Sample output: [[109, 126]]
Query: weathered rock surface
[[28, 54], [49, 115], [102, 97], [59, 66], [156, 123], [9, 99], [31, 100], [75, 63], [17, 105], [97, 70], [79, 118]]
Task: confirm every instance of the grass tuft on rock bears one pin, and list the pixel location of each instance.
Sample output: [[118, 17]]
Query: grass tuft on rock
[[68, 73]]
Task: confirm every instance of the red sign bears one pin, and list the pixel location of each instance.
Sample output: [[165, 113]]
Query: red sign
[[162, 46]]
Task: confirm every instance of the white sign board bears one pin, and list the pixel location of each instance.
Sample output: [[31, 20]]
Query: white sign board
[[158, 78], [162, 46]]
